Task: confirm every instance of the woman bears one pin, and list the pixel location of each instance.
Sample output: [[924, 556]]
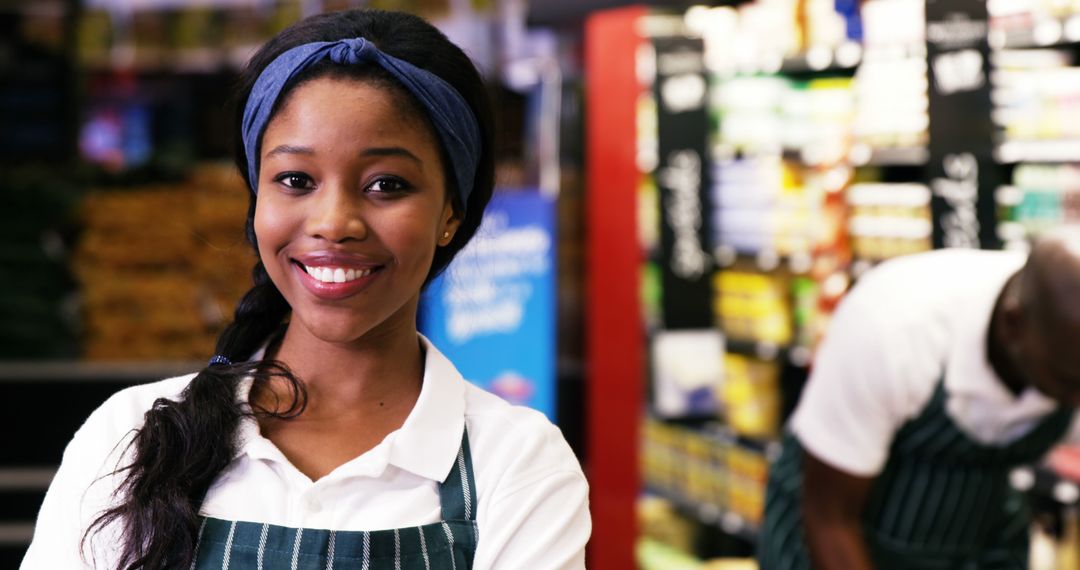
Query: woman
[[325, 432]]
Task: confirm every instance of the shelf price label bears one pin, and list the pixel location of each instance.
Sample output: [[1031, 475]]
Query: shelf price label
[[681, 92], [962, 171]]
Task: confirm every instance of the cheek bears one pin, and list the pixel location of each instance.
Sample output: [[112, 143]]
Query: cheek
[[269, 226], [415, 239]]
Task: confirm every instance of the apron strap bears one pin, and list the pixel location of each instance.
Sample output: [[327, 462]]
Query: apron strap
[[458, 493]]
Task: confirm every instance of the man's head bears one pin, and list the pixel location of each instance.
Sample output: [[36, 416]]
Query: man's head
[[1041, 317]]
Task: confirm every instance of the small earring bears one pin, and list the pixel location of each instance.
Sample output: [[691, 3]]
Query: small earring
[[445, 235]]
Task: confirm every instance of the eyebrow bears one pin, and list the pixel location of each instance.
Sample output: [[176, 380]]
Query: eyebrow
[[393, 151], [289, 149], [375, 151]]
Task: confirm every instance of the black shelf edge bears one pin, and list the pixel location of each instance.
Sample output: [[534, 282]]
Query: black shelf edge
[[764, 259], [798, 356], [1044, 481], [725, 520], [817, 60], [885, 157], [844, 58]]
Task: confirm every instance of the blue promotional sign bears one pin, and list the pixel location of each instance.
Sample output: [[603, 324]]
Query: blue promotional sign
[[493, 311]]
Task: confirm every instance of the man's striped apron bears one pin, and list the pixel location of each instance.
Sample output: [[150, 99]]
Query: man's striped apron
[[943, 500]]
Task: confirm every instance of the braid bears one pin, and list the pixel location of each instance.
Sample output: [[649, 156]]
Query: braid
[[184, 444]]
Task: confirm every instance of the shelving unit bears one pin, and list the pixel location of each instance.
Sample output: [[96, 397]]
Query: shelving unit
[[918, 161]]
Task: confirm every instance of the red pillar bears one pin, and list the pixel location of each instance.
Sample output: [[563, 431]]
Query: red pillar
[[615, 339]]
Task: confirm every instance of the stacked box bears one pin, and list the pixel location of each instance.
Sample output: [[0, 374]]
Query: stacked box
[[754, 306], [705, 468], [161, 267], [750, 396]]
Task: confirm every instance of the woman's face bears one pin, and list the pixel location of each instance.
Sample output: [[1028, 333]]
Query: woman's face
[[351, 206]]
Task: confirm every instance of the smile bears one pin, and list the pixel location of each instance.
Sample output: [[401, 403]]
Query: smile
[[337, 274]]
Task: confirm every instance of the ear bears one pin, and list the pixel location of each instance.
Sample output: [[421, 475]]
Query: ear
[[1014, 319], [450, 222]]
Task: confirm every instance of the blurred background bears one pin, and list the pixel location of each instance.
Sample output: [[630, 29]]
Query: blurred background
[[685, 193]]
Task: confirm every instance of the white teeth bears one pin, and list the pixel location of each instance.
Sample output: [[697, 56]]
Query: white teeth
[[336, 274]]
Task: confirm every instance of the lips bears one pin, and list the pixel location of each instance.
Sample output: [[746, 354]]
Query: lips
[[335, 275]]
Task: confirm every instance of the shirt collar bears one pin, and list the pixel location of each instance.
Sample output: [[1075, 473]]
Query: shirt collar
[[427, 443], [968, 370]]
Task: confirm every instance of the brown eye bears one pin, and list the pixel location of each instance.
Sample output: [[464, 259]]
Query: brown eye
[[295, 180], [388, 185]]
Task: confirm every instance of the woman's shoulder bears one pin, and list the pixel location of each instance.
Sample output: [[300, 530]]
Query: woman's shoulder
[[125, 409], [515, 438], [490, 412]]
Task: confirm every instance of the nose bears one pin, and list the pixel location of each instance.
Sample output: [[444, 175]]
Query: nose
[[336, 214]]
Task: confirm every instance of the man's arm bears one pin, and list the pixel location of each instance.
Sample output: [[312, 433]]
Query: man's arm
[[832, 507]]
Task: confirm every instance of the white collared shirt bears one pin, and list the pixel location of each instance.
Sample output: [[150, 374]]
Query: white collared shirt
[[532, 495], [900, 329]]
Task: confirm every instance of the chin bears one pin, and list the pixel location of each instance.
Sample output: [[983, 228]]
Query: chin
[[335, 330], [340, 337]]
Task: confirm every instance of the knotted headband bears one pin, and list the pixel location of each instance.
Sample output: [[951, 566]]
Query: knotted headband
[[450, 114]]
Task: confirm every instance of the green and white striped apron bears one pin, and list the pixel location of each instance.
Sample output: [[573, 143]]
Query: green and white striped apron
[[446, 545], [942, 502]]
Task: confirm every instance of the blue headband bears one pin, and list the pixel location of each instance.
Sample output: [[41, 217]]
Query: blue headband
[[451, 115]]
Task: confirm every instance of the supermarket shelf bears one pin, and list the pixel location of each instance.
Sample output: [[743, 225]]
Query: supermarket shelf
[[709, 514], [863, 155], [78, 371], [16, 533], [25, 478], [1062, 150], [1046, 32]]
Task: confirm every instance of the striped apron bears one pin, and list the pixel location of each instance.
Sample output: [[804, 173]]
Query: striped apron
[[942, 502], [446, 545]]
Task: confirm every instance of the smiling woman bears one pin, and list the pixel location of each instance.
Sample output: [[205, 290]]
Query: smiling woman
[[366, 196], [326, 431]]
